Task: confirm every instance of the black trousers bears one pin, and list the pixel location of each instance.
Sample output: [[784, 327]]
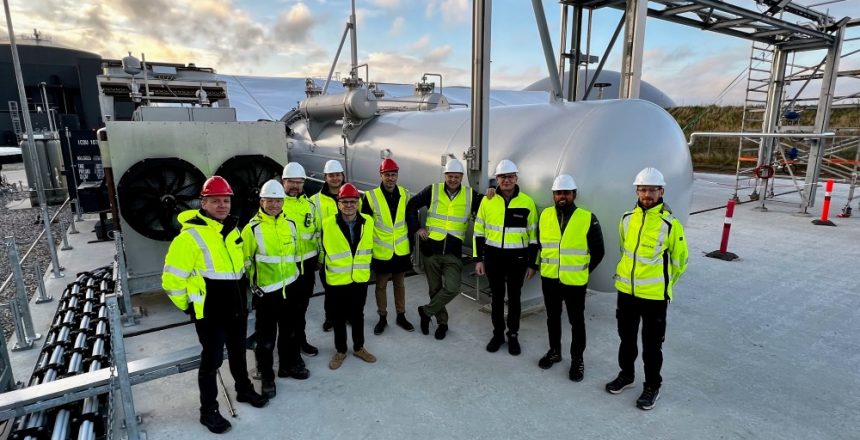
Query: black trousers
[[652, 313], [214, 333], [298, 298], [346, 303], [505, 275], [554, 294], [275, 328]]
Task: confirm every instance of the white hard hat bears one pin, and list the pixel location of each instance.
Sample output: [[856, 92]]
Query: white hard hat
[[506, 167], [650, 176], [272, 190], [332, 166], [564, 182], [294, 170], [454, 166]]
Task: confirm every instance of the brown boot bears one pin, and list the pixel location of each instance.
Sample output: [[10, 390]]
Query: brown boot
[[337, 360], [365, 355]]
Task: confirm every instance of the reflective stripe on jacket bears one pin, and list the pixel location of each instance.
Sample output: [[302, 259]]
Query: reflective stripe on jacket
[[517, 233], [389, 236], [341, 266], [653, 253], [446, 216], [565, 256], [269, 245], [199, 253], [308, 222]]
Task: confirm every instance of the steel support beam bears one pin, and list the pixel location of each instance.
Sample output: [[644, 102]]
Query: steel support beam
[[478, 155], [634, 43], [548, 53]]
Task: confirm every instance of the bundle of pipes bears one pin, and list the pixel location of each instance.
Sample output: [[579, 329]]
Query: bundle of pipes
[[77, 341]]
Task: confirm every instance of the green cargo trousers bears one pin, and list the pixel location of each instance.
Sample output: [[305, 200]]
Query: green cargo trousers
[[443, 279]]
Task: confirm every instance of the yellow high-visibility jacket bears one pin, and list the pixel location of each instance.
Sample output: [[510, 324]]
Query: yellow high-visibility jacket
[[565, 257], [446, 216], [390, 236], [269, 245], [342, 266], [308, 220]]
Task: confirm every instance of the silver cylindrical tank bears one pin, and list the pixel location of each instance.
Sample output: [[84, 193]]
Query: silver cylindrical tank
[[50, 158], [357, 103], [430, 101], [603, 144]]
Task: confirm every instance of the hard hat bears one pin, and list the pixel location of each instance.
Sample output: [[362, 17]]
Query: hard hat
[[454, 166], [650, 176], [347, 191], [294, 170], [272, 190], [387, 165], [216, 186], [506, 167], [564, 182], [332, 166]]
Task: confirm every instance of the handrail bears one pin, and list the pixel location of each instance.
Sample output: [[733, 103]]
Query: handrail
[[32, 246]]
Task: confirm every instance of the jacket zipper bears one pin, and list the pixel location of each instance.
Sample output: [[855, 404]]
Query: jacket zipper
[[635, 252]]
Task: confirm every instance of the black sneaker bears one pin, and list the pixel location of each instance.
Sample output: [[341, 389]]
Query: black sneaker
[[251, 397], [214, 422], [327, 325], [380, 326], [425, 321], [268, 389], [404, 323], [620, 384], [309, 349], [514, 345], [495, 343], [441, 331], [577, 369], [648, 398], [551, 357], [296, 372]]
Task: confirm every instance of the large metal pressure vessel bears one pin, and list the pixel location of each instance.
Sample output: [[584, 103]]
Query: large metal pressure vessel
[[603, 144], [50, 168]]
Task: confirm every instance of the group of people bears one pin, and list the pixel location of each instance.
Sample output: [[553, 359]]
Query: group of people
[[348, 237]]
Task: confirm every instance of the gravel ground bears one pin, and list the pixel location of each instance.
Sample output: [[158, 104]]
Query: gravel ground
[[24, 225]]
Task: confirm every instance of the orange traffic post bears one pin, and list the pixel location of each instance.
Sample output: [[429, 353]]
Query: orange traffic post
[[723, 253], [825, 208]]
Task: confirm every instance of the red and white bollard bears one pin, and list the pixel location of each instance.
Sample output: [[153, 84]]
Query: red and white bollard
[[723, 253], [825, 208]]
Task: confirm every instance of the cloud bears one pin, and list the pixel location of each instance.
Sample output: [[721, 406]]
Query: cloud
[[294, 25], [397, 26], [452, 11], [422, 42], [387, 4]]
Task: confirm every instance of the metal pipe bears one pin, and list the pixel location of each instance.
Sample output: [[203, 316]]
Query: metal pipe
[[121, 365], [28, 124], [562, 41], [696, 134], [74, 174], [575, 38], [145, 77], [546, 42], [353, 40], [602, 61], [43, 293], [633, 50], [336, 56], [478, 154]]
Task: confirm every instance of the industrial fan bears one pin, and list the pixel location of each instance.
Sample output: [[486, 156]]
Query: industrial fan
[[246, 174], [154, 191]]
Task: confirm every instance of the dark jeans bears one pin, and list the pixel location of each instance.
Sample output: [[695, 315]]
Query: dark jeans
[[505, 274], [274, 326], [653, 315], [554, 294], [346, 303], [298, 298], [444, 273], [214, 334]]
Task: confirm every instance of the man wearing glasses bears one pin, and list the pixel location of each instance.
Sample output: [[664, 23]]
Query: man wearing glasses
[[653, 257], [506, 249]]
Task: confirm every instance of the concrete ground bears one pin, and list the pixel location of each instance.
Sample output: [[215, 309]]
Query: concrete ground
[[764, 347]]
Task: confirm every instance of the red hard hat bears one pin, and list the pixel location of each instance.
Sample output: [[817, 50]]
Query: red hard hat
[[216, 186], [348, 190], [388, 165]]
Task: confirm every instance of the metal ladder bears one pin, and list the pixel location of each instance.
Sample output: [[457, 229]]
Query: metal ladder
[[16, 119], [758, 79]]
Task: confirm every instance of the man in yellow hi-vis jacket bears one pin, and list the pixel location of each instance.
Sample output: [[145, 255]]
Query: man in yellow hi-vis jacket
[[204, 277], [269, 244], [653, 257]]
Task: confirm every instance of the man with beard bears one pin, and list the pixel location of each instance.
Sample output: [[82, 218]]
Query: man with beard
[[653, 257], [326, 203], [571, 248]]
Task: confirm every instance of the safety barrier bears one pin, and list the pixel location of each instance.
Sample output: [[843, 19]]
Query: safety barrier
[[825, 208], [723, 253]]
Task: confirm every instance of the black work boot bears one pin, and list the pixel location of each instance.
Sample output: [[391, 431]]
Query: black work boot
[[214, 421], [577, 369], [404, 323], [309, 349], [495, 343], [514, 345], [648, 398], [297, 371], [425, 320], [551, 357], [380, 326], [268, 388], [251, 397], [619, 384], [441, 331]]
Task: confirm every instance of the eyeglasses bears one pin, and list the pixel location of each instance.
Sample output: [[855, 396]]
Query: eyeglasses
[[506, 177], [648, 190]]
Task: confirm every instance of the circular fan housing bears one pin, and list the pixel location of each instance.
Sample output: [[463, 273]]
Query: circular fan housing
[[154, 191], [246, 174]]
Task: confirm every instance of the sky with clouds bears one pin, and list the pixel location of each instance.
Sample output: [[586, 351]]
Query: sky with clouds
[[398, 39]]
